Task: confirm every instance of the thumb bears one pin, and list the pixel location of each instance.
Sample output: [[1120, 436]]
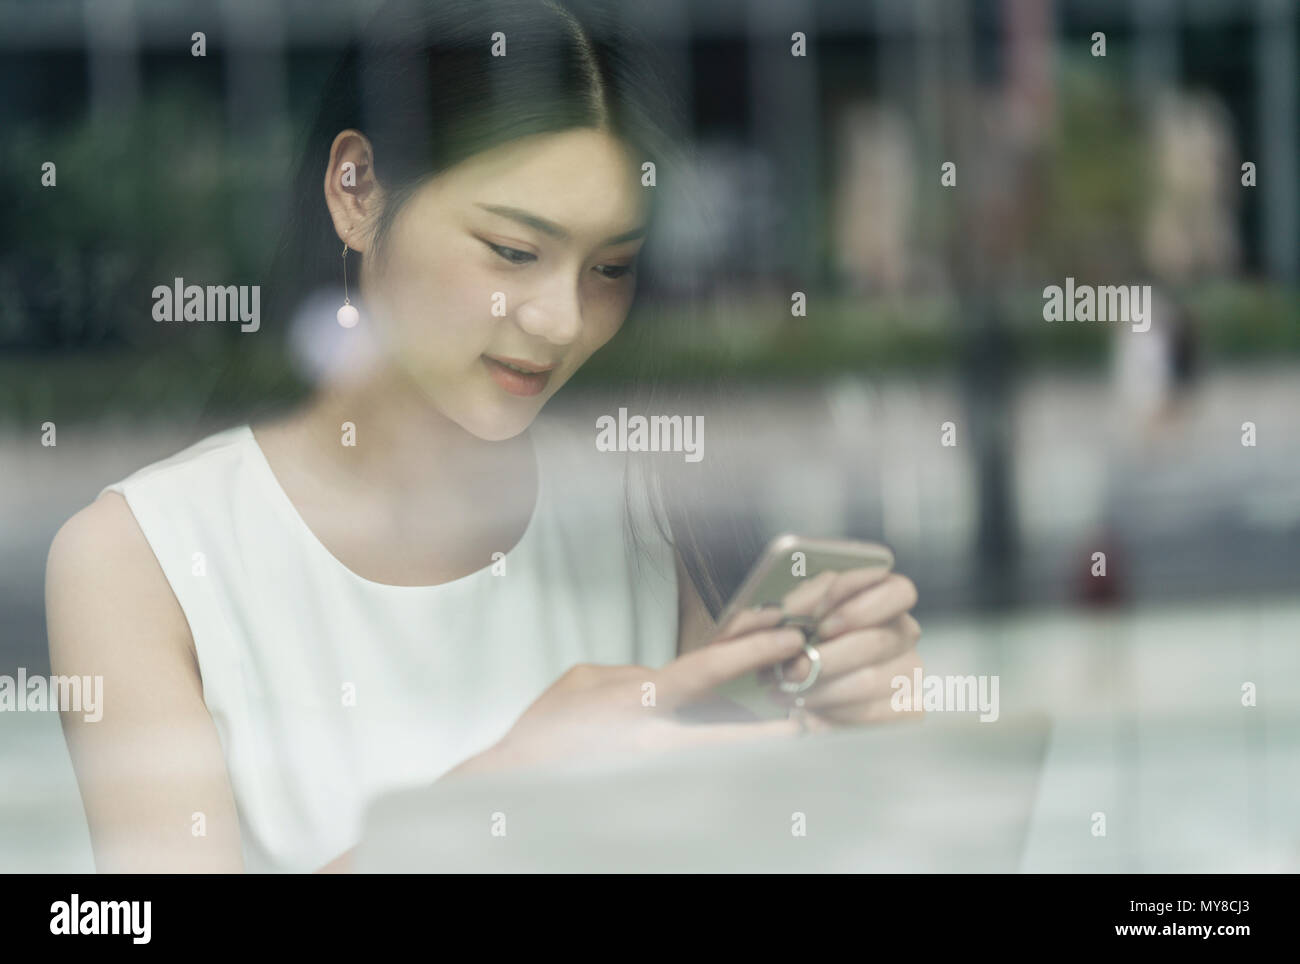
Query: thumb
[[697, 673]]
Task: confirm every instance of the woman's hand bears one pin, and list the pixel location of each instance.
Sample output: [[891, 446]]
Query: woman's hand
[[866, 636], [610, 711]]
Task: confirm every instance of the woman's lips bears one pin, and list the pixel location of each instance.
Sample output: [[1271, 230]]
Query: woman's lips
[[517, 382]]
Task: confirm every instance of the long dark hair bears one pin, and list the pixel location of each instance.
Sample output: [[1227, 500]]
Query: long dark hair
[[423, 85]]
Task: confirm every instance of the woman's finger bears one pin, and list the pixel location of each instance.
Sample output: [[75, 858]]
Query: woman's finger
[[697, 673], [749, 621], [805, 598], [873, 606], [848, 584], [864, 685], [858, 648]]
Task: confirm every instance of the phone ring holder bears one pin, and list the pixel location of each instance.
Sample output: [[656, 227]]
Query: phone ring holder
[[798, 686], [809, 628]]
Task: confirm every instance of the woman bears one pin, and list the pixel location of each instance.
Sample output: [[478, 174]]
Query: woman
[[387, 586]]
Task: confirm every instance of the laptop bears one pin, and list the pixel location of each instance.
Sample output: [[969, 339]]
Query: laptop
[[944, 794]]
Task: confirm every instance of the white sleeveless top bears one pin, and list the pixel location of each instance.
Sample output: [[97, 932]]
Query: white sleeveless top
[[328, 689]]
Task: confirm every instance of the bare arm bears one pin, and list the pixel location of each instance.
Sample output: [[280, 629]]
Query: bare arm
[[151, 771]]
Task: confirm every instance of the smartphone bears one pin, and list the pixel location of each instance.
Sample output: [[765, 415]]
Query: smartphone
[[787, 561]]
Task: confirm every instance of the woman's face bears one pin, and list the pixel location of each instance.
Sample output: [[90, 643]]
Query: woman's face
[[521, 257]]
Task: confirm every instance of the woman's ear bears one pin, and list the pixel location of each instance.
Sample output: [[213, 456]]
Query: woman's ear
[[352, 193]]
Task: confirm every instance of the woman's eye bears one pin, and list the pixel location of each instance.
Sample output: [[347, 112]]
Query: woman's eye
[[615, 271], [513, 255]]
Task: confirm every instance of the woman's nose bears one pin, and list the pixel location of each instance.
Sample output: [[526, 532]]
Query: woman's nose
[[554, 314]]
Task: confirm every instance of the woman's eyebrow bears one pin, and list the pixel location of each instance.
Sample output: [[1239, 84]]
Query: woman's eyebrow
[[550, 227]]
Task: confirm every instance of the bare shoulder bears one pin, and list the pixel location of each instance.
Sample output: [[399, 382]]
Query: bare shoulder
[[152, 757], [103, 582]]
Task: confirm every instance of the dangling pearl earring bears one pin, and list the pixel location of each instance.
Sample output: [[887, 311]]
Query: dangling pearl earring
[[348, 315]]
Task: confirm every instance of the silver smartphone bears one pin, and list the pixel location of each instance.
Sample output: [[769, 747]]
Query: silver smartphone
[[787, 561]]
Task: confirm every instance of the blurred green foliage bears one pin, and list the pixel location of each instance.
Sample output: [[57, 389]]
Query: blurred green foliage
[[157, 193]]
